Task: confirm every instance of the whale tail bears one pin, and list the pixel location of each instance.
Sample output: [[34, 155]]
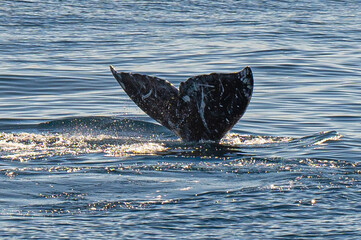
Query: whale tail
[[205, 107]]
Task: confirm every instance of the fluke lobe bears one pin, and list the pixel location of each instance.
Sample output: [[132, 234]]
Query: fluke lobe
[[205, 107]]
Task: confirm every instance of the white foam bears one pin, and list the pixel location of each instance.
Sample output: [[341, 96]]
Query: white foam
[[134, 149], [333, 138], [26, 146], [236, 139]]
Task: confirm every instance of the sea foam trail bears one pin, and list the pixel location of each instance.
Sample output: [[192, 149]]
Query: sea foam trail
[[26, 146]]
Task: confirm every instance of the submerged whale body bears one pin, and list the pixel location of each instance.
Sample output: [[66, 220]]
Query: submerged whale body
[[205, 107]]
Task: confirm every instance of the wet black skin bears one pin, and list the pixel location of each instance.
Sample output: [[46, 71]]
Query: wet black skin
[[205, 107]]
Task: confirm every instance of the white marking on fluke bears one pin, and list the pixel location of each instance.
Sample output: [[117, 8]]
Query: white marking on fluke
[[147, 95]]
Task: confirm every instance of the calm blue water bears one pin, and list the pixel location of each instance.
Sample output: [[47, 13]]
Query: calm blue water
[[78, 159]]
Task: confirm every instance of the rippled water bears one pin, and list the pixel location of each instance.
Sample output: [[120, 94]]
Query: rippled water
[[78, 159]]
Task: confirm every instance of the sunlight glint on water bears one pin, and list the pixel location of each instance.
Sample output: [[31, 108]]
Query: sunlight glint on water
[[80, 160]]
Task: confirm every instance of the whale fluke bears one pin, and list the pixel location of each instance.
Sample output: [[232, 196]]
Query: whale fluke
[[205, 107]]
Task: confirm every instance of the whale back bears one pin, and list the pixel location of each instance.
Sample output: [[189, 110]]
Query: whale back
[[206, 107]]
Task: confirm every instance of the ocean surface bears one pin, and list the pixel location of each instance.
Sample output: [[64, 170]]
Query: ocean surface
[[79, 160]]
